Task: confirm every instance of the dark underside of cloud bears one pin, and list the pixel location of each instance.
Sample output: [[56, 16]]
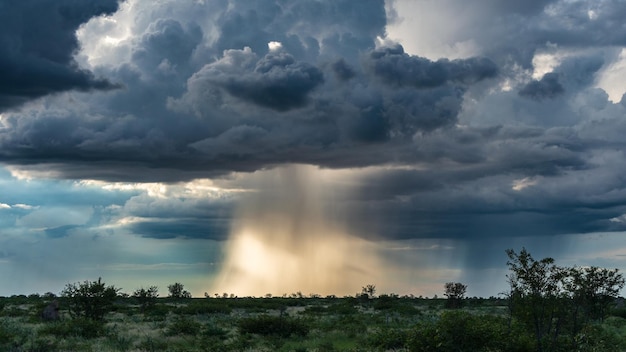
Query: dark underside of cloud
[[205, 89], [37, 44]]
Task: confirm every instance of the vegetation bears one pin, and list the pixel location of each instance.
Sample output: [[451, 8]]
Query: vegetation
[[557, 304], [455, 292], [91, 300], [146, 297], [178, 291], [548, 308]]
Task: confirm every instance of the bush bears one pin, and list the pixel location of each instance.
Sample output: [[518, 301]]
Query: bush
[[599, 337], [462, 331], [146, 297], [78, 327], [388, 339], [11, 335], [184, 326], [177, 291], [273, 326], [90, 300]]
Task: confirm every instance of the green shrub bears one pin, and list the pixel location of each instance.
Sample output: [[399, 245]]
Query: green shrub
[[90, 299], [387, 339], [157, 312], [184, 326], [267, 325], [78, 327], [12, 335], [462, 331], [598, 338], [213, 331]]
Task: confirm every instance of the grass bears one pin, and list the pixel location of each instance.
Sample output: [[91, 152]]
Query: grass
[[275, 324]]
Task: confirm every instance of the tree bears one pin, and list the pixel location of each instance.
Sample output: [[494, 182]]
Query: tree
[[558, 302], [592, 290], [455, 292], [535, 295], [177, 290], [369, 291], [91, 300], [146, 298]]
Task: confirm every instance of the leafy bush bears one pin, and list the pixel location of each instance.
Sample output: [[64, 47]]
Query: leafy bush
[[184, 326], [597, 337], [90, 299], [158, 312], [462, 331], [388, 339], [11, 335], [273, 326], [146, 297], [177, 290]]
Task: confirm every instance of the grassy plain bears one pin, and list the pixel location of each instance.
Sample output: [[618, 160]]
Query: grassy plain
[[384, 323]]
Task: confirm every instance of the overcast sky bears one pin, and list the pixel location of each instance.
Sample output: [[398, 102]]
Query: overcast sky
[[281, 145]]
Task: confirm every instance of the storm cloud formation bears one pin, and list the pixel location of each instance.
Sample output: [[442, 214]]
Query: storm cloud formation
[[37, 47], [513, 129]]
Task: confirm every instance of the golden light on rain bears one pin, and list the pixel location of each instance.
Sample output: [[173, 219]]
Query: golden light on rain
[[288, 237]]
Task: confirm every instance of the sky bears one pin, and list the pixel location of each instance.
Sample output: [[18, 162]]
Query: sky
[[277, 146]]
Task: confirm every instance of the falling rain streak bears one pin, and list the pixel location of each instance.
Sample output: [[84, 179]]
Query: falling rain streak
[[288, 237]]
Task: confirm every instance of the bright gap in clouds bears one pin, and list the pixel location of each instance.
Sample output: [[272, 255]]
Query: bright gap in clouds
[[613, 77], [414, 23]]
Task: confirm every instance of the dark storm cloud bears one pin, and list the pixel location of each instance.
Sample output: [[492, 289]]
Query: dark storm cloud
[[547, 87], [277, 82], [204, 95], [394, 66], [37, 44], [343, 70]]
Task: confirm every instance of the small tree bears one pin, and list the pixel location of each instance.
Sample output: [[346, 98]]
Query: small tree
[[369, 291], [177, 290], [91, 300], [558, 302], [146, 298], [592, 290], [455, 292], [536, 298]]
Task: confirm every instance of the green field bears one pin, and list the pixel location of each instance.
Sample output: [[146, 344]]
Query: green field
[[383, 323]]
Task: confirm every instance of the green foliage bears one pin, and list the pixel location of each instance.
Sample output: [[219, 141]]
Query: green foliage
[[146, 297], [268, 325], [158, 312], [78, 327], [205, 307], [177, 291], [557, 303], [455, 292], [369, 291], [11, 335], [90, 300], [462, 331], [183, 326], [599, 338], [387, 339]]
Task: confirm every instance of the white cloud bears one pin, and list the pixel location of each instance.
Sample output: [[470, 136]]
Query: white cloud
[[523, 183]]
